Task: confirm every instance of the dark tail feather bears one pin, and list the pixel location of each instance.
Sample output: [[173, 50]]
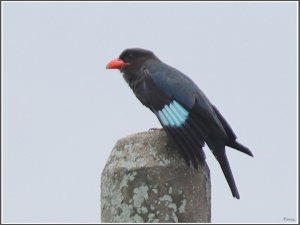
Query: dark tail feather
[[222, 159], [186, 155], [239, 147]]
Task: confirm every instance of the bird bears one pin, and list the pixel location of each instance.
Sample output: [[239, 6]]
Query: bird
[[183, 110]]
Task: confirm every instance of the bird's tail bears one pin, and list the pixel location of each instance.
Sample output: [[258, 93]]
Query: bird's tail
[[234, 144], [223, 161]]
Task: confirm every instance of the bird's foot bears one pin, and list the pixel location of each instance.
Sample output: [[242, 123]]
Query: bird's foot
[[154, 128]]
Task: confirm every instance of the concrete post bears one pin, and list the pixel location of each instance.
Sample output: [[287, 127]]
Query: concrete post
[[146, 180]]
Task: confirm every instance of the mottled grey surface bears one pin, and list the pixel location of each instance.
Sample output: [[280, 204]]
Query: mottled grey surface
[[145, 179]]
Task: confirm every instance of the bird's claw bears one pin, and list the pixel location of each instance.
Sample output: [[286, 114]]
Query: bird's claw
[[154, 128]]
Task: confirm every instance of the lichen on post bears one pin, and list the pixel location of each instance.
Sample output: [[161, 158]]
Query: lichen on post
[[146, 179]]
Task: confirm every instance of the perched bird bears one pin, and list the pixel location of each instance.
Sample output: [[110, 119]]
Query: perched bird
[[183, 110]]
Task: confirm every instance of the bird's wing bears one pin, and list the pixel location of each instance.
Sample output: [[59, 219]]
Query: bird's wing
[[186, 113], [231, 135], [184, 91]]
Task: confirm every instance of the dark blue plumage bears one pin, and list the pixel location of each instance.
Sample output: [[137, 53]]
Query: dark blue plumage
[[181, 107]]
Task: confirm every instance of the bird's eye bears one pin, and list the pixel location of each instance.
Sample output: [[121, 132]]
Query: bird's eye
[[130, 56]]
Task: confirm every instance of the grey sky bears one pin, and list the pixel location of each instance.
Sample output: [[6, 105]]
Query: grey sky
[[63, 111]]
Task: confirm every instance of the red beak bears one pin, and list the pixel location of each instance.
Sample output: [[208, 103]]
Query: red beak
[[116, 64]]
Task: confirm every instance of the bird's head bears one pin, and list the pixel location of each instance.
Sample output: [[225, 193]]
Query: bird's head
[[131, 60]]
